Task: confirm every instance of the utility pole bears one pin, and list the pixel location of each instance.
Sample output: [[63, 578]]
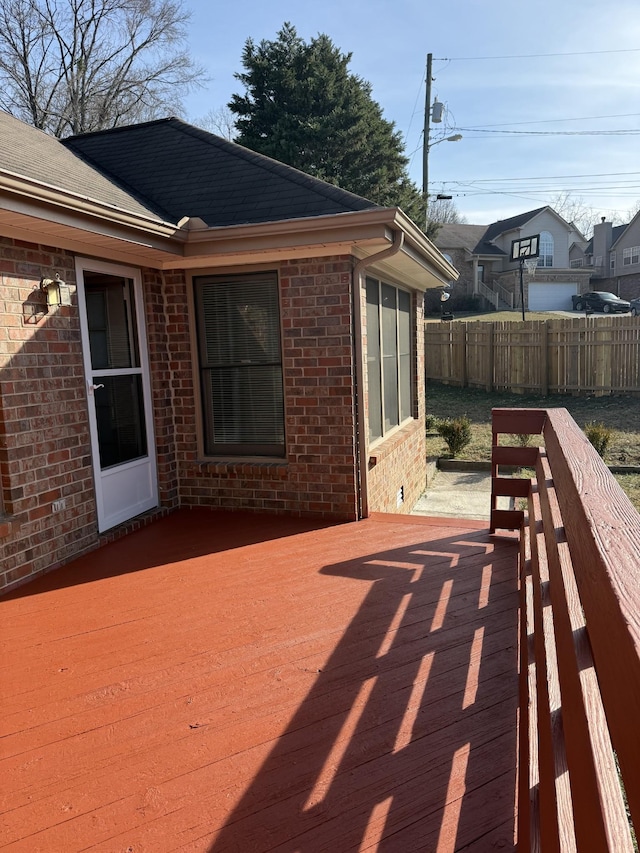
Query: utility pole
[[432, 113], [426, 140]]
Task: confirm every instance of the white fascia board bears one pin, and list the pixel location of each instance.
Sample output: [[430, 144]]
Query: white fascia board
[[362, 233]]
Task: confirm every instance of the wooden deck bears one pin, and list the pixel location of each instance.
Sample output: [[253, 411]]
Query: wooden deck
[[227, 682]]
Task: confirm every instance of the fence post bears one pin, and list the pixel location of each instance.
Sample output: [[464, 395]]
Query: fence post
[[489, 378], [544, 358], [462, 332]]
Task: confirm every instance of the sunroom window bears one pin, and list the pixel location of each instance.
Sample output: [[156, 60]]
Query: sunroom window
[[388, 357], [240, 359]]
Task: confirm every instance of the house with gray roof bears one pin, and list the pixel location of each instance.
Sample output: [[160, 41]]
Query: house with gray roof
[[188, 323], [482, 254], [613, 258]]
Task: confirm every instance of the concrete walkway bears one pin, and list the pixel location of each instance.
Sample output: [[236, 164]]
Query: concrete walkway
[[458, 494]]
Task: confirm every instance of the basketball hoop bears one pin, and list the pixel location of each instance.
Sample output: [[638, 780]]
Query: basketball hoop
[[532, 265]]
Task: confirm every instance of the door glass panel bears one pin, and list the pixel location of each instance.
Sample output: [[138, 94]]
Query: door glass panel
[[111, 322], [120, 419]]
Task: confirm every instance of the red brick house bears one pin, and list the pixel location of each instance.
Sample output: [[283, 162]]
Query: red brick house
[[186, 322]]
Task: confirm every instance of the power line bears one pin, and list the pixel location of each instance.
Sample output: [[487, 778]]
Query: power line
[[555, 120], [535, 55], [620, 132], [555, 177]]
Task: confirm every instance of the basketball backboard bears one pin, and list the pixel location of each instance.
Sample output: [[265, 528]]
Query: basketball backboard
[[525, 247]]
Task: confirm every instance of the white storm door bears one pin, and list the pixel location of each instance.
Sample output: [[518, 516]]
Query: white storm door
[[118, 390]]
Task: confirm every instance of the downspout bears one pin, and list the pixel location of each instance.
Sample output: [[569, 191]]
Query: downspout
[[172, 385], [361, 435]]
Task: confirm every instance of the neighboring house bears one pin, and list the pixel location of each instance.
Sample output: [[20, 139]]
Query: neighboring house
[[613, 258], [482, 255], [223, 330], [458, 242]]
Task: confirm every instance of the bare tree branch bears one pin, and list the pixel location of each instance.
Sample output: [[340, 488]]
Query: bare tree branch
[[73, 66], [220, 121]]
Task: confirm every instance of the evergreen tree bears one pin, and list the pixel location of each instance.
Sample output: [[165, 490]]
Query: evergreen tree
[[304, 107]]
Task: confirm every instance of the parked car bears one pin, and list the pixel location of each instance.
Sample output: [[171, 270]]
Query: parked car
[[599, 300], [635, 306]]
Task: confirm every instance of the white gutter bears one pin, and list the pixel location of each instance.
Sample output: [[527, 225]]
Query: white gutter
[[362, 440]]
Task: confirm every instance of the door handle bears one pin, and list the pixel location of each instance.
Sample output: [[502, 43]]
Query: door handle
[[93, 388]]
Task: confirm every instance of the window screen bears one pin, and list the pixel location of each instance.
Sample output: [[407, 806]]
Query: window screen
[[388, 357]]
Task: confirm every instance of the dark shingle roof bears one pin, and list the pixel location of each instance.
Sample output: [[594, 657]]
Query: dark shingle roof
[[459, 236], [32, 154], [485, 245], [181, 171]]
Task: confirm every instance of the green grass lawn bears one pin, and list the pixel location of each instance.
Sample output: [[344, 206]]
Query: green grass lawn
[[620, 414]]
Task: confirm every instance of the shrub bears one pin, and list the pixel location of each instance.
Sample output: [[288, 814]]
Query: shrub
[[599, 435], [431, 423], [456, 433], [522, 439]]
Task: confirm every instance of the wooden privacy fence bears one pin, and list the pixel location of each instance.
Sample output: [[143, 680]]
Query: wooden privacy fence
[[581, 355], [579, 732]]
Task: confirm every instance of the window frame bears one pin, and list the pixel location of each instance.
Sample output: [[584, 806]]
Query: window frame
[[631, 256], [381, 362], [212, 448], [545, 257]]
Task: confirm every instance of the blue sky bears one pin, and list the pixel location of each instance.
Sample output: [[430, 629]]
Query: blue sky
[[545, 95]]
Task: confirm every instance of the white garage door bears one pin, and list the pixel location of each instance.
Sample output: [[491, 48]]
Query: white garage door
[[551, 297]]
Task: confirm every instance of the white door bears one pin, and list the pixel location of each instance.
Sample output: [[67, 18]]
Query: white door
[[551, 296], [118, 390]]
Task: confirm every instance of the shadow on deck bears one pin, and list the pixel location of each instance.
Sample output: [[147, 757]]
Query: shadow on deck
[[228, 682]]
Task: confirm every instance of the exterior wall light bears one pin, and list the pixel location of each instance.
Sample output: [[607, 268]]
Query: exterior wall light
[[51, 287]]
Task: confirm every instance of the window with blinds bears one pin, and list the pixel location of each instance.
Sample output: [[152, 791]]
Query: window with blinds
[[240, 364], [388, 357]]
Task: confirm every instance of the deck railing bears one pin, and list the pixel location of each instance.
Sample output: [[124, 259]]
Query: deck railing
[[580, 636]]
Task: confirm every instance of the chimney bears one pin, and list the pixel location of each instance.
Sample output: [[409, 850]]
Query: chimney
[[602, 239]]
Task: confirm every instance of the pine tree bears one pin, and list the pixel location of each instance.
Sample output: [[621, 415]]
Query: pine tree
[[304, 107]]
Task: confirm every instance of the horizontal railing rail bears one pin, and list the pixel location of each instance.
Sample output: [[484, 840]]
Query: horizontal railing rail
[[579, 639]]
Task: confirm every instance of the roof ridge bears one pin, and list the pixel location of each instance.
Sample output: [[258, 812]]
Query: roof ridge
[[119, 128], [522, 217]]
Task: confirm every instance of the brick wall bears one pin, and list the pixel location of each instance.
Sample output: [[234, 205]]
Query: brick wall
[[625, 286], [44, 437], [45, 453], [318, 475], [165, 320]]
